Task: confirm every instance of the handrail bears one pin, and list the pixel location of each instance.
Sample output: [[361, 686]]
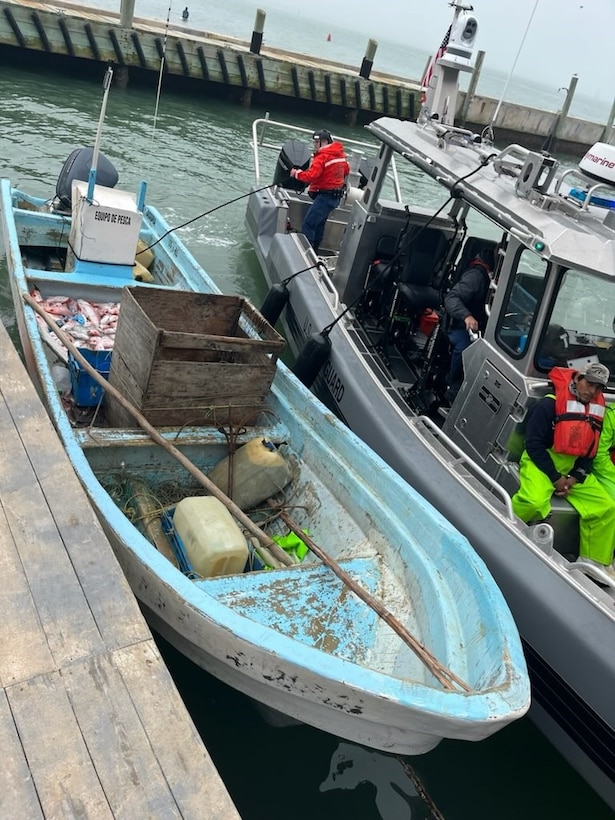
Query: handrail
[[323, 273], [463, 458]]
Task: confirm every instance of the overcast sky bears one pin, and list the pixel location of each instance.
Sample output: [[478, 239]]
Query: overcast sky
[[565, 36]]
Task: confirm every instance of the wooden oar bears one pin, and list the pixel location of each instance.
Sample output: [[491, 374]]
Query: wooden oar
[[442, 673], [235, 511]]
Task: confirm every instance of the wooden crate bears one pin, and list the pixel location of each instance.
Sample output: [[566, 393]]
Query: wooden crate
[[181, 358]]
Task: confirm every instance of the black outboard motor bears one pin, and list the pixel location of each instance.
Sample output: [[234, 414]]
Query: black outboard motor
[[366, 166], [294, 154], [77, 166]]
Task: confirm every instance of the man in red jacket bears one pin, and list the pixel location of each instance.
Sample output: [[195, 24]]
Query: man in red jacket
[[327, 179]]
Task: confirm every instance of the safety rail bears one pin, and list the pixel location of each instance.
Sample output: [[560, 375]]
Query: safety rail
[[462, 459], [323, 275], [261, 125]]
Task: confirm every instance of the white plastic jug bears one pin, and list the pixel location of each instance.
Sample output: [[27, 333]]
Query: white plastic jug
[[212, 540], [259, 471], [61, 377]]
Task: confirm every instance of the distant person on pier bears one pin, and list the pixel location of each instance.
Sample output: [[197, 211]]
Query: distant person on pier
[[327, 183], [185, 15]]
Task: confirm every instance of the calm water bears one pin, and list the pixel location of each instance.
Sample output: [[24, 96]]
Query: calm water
[[196, 160]]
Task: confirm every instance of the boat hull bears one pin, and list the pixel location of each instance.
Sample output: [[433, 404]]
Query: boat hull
[[340, 668], [563, 631]]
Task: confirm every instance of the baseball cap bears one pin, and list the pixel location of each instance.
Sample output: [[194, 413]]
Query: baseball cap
[[323, 136], [596, 373]]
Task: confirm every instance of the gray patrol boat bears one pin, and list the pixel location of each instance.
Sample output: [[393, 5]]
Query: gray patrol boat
[[366, 323]]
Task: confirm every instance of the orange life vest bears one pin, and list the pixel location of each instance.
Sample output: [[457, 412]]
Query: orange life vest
[[577, 425]]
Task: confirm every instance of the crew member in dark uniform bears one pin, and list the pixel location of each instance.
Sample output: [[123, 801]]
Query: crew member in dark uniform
[[465, 304]]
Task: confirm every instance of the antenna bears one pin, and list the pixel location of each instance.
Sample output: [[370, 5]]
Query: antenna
[[92, 176], [514, 65]]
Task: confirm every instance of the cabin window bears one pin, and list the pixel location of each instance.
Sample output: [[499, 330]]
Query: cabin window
[[580, 326], [524, 293]]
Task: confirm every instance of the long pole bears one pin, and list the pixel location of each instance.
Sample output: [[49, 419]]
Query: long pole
[[514, 65], [442, 673], [94, 167]]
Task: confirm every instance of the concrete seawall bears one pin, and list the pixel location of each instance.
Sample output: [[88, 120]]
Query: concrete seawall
[[213, 64]]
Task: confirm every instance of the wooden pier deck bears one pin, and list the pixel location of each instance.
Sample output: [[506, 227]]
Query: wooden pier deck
[[91, 724]]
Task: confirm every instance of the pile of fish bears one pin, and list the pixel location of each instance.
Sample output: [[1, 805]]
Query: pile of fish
[[87, 324]]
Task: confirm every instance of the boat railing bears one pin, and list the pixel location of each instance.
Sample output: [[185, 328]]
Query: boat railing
[[462, 460], [583, 197], [282, 131], [332, 293]]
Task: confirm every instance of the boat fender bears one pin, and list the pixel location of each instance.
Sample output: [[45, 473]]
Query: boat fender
[[140, 273], [311, 359], [275, 302], [144, 255]]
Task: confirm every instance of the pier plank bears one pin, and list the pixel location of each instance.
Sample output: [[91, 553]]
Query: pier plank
[[67, 621], [18, 796], [117, 616], [170, 737], [23, 646], [91, 724], [66, 782], [131, 776]]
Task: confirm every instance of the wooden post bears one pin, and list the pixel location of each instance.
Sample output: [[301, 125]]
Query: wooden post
[[121, 76], [563, 114], [127, 13], [257, 34], [368, 60], [463, 114], [607, 135]]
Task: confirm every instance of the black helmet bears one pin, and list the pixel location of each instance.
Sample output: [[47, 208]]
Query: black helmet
[[323, 136]]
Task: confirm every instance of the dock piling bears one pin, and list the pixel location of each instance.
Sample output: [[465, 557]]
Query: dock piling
[[257, 34], [368, 60], [127, 13]]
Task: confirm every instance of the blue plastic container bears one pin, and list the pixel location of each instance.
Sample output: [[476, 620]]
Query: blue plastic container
[[86, 391]]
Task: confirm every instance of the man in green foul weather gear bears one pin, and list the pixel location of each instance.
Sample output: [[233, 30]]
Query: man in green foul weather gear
[[544, 472]]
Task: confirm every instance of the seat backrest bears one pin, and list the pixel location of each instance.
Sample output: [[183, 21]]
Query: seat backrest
[[425, 252], [386, 247], [472, 247]]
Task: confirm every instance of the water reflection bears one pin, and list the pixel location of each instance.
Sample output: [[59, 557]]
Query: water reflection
[[396, 795]]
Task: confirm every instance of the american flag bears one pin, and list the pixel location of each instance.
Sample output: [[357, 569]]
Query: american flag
[[439, 53]]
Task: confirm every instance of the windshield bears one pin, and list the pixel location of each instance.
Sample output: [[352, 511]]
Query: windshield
[[581, 324]]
